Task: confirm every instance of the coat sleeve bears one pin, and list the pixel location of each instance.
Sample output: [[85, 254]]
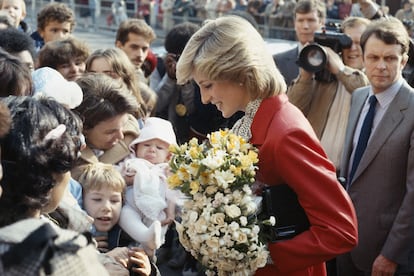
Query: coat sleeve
[[301, 163], [301, 92], [352, 78]]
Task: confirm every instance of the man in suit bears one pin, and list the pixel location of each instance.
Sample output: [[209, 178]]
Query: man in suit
[[309, 17], [381, 184]]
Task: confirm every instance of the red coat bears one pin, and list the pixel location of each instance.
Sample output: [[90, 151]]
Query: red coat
[[289, 152]]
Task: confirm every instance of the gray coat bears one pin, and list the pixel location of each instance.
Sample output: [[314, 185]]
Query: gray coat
[[382, 189]]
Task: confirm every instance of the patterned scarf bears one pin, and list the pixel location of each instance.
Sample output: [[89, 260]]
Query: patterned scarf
[[242, 126]]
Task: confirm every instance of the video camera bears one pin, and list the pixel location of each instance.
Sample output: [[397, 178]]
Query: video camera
[[313, 57]]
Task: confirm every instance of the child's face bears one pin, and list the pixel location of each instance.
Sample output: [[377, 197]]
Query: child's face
[[55, 30], [154, 151], [15, 10], [104, 206], [73, 69]]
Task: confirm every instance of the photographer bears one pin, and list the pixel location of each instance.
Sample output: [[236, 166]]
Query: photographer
[[309, 16], [326, 103]]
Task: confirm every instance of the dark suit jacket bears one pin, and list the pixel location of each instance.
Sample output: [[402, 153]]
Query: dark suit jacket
[[382, 189], [286, 62]]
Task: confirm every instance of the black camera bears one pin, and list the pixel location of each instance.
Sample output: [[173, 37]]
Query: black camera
[[313, 57]]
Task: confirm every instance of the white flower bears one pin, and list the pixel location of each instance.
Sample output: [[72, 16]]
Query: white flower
[[243, 221], [232, 211], [224, 178], [214, 161], [218, 224]]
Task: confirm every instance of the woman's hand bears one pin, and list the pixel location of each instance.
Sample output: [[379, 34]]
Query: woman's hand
[[138, 262], [102, 242]]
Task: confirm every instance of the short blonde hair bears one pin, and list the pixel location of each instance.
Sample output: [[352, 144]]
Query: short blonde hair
[[95, 176], [229, 48]]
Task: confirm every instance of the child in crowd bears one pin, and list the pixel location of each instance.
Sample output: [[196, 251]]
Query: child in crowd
[[17, 11], [55, 21], [102, 192], [149, 204], [67, 56]]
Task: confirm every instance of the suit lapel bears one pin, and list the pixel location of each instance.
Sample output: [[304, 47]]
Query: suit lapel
[[392, 118]]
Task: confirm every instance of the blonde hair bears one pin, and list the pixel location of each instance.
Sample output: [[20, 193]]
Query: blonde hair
[[150, 98], [99, 175], [229, 48], [121, 66]]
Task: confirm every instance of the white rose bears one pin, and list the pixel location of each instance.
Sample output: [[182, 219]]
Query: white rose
[[200, 225], [218, 219], [241, 238], [232, 211]]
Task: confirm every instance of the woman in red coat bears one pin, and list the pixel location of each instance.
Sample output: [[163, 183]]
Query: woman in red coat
[[228, 59]]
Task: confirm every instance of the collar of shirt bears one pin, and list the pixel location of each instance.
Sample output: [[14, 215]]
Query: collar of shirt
[[385, 98]]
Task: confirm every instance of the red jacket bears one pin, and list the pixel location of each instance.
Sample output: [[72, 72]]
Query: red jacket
[[290, 152]]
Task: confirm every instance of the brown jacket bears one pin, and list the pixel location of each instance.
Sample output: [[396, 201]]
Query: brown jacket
[[314, 98]]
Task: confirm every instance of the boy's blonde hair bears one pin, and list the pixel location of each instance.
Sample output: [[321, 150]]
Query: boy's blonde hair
[[98, 175]]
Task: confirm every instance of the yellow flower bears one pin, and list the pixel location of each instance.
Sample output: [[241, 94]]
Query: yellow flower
[[194, 152], [249, 159], [237, 171], [183, 174], [194, 186], [253, 156], [205, 178], [174, 181], [174, 148]]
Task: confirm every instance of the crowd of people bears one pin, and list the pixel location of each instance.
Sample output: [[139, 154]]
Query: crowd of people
[[86, 136]]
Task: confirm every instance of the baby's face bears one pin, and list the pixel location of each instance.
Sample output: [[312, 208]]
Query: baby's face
[[15, 10], [104, 206], [154, 151]]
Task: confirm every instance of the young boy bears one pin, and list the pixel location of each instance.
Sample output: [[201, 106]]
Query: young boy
[[55, 21], [17, 11], [149, 204], [102, 192]]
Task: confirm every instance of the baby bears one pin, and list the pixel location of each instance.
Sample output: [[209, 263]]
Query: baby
[[149, 204]]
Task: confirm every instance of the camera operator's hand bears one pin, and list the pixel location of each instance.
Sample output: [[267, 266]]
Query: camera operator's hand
[[335, 63]]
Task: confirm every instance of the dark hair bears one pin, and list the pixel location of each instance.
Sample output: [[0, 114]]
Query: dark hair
[[14, 41], [389, 30], [103, 98], [55, 11], [29, 160], [59, 52], [15, 77], [178, 37], [307, 6]]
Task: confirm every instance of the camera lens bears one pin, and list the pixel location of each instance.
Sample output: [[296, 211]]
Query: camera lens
[[312, 58]]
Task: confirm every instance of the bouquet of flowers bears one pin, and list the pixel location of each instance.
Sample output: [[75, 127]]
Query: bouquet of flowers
[[219, 223]]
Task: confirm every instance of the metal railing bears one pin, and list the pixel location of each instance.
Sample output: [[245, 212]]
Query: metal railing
[[103, 11]]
